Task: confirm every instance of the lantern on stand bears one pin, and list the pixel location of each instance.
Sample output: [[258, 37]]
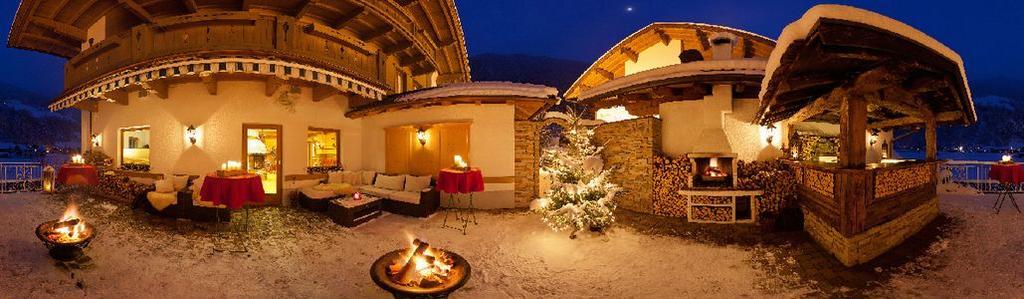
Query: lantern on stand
[[49, 177]]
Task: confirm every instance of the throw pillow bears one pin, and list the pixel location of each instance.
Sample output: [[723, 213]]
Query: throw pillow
[[164, 186], [416, 183], [367, 177], [179, 181], [352, 178], [390, 182], [335, 177], [197, 184]]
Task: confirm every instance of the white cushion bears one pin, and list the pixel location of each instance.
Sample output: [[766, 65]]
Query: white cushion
[[379, 192], [409, 197], [416, 183], [162, 200], [313, 193], [367, 177], [390, 182], [179, 181], [335, 177], [352, 178], [164, 186]]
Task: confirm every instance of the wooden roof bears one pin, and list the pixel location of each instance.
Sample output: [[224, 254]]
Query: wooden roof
[[905, 75], [59, 27], [529, 100], [611, 65]]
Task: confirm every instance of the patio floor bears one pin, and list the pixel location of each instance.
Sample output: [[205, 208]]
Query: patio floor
[[968, 252]]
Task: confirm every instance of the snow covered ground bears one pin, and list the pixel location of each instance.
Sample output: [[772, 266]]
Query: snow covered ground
[[300, 254]]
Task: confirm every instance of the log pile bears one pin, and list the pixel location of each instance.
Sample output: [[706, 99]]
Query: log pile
[[712, 214], [670, 175], [773, 177]]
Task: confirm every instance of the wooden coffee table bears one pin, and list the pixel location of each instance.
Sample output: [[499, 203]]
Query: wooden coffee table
[[350, 213]]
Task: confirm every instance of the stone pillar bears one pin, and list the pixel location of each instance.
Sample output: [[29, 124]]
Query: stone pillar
[[630, 147], [527, 161]]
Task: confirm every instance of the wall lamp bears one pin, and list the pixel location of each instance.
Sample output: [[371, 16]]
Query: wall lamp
[[422, 136], [771, 134], [191, 134]]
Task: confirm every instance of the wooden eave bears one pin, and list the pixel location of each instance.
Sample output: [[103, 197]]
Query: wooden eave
[[905, 82], [525, 107], [692, 35]]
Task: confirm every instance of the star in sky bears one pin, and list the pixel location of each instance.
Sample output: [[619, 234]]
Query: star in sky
[[629, 9]]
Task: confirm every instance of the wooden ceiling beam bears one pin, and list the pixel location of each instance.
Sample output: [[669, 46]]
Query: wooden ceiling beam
[[817, 107], [119, 96], [66, 30], [60, 6], [273, 84], [380, 31], [210, 82], [400, 46], [665, 38], [137, 9], [405, 2], [155, 87], [632, 55], [410, 60], [305, 8], [323, 92], [947, 116], [190, 5], [604, 73], [90, 105], [349, 17], [703, 38], [81, 10], [246, 5]]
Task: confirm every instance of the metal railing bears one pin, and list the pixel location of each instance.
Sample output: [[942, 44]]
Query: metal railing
[[20, 176], [974, 175]]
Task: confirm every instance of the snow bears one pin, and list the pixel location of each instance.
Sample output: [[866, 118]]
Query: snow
[[513, 254], [799, 30], [496, 89], [682, 70]]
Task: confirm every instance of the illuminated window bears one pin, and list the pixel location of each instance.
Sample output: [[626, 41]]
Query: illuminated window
[[135, 148], [323, 149]]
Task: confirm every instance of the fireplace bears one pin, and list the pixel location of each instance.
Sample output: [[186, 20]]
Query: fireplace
[[712, 170]]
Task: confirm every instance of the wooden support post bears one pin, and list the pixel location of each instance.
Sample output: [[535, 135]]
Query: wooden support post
[[853, 122], [322, 92], [210, 82], [931, 144], [272, 85]]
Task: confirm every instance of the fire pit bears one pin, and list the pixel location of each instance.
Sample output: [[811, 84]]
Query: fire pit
[[65, 238], [420, 272]]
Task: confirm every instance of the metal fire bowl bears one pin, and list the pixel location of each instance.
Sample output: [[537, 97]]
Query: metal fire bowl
[[458, 276], [64, 251]]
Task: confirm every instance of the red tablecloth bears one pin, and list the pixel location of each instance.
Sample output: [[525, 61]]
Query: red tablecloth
[[77, 175], [1007, 173], [457, 181], [233, 192]]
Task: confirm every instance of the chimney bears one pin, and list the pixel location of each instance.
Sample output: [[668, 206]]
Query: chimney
[[721, 45]]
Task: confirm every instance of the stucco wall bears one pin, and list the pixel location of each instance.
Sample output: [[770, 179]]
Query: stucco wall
[[654, 57], [219, 120], [682, 123]]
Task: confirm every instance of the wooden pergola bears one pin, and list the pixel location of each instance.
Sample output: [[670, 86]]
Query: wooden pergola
[[839, 64]]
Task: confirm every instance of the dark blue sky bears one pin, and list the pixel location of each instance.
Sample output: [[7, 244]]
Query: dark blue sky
[[985, 33]]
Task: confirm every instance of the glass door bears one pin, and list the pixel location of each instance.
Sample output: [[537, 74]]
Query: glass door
[[262, 156]]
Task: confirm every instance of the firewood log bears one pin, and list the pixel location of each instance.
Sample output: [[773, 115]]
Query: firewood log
[[408, 272]]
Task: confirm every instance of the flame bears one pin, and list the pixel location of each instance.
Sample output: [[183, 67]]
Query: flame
[[75, 232], [432, 265]]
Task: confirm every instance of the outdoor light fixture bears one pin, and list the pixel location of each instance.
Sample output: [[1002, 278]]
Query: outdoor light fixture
[[770, 130], [191, 134], [422, 136], [95, 140], [874, 137]]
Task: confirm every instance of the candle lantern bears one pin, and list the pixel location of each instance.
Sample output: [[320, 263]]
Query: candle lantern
[[49, 178]]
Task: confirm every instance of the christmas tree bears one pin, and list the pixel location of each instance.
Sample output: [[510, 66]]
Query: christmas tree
[[580, 196]]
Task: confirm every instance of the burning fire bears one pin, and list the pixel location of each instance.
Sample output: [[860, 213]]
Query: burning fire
[[70, 228], [712, 170], [421, 265]]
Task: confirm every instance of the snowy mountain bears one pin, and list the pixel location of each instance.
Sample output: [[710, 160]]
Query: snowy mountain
[[26, 120], [554, 72]]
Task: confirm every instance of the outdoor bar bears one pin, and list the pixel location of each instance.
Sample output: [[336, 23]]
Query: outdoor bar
[[865, 72]]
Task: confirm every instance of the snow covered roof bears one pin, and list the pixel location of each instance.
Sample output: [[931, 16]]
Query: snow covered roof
[[698, 71], [691, 35], [830, 45], [529, 99]]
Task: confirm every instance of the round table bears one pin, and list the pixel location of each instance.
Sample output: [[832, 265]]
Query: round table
[[232, 192], [1009, 176], [454, 181], [459, 181], [78, 174]]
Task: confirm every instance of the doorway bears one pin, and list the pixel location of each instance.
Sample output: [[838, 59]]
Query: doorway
[[262, 154]]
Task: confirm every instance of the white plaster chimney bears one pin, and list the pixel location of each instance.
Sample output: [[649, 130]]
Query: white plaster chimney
[[722, 44], [712, 138]]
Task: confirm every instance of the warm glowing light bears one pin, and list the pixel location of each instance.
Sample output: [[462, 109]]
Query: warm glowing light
[[191, 134], [231, 165], [422, 136], [77, 159], [419, 264], [459, 162], [613, 114], [49, 178], [769, 134], [1007, 159], [70, 233], [96, 140]]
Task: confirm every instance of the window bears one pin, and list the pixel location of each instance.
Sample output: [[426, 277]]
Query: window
[[323, 150], [135, 148]]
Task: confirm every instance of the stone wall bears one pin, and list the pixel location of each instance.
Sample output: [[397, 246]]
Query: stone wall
[[630, 147], [527, 165], [865, 246]]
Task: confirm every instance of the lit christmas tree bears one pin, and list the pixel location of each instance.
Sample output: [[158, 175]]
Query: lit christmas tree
[[580, 196]]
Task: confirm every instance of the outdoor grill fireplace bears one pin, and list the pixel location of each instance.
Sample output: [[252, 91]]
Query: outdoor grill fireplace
[[712, 170]]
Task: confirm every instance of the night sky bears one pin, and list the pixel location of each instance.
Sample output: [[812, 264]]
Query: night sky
[[985, 33]]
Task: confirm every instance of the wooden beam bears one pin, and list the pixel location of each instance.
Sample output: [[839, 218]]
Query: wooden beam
[[322, 92], [155, 87], [400, 46], [246, 5], [819, 106], [410, 60], [210, 82], [665, 39], [81, 11], [948, 116], [604, 73], [703, 38], [272, 85], [119, 96], [57, 8], [62, 29], [405, 2], [137, 9], [191, 6], [305, 8], [381, 31], [853, 121], [88, 105], [930, 140], [349, 16], [633, 56]]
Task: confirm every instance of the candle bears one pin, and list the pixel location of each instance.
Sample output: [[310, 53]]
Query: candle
[[1007, 158], [459, 162]]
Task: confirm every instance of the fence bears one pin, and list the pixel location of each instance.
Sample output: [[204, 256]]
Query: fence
[[973, 174], [20, 176]]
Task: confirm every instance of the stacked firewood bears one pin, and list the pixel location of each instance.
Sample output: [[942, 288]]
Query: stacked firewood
[[773, 177], [712, 214], [670, 175]]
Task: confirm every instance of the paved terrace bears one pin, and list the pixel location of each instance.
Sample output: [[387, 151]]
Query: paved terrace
[[967, 252]]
